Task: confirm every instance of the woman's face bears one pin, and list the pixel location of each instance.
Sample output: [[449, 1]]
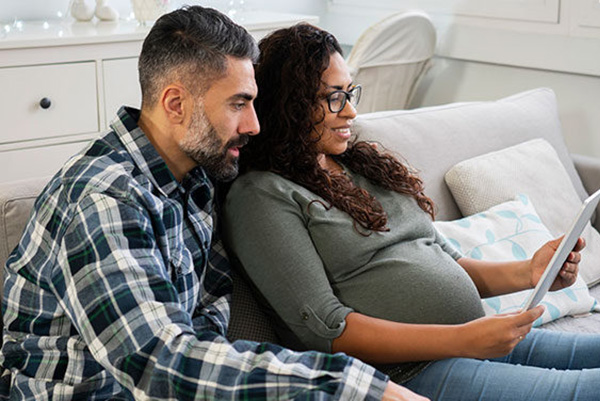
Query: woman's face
[[334, 129]]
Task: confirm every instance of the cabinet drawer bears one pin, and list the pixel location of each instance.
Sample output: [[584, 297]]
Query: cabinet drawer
[[70, 90], [37, 162]]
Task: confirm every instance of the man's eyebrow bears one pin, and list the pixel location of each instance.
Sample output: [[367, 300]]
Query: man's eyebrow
[[242, 96]]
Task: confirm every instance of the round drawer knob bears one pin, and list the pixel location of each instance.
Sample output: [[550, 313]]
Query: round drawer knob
[[45, 103]]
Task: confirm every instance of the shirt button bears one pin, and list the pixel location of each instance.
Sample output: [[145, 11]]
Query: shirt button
[[304, 316]]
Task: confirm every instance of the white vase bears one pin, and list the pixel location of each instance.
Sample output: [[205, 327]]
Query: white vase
[[149, 10], [81, 11], [104, 12]]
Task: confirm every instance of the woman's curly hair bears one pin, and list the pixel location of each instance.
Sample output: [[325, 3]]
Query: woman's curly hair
[[288, 75]]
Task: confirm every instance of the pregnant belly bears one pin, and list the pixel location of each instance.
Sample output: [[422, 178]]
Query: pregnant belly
[[413, 292]]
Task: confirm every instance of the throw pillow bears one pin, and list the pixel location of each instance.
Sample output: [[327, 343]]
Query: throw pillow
[[532, 167], [513, 231]]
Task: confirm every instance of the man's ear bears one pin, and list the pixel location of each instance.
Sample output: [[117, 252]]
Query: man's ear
[[173, 102]]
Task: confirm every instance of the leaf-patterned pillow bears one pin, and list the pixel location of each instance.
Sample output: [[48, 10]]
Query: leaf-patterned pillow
[[513, 231]]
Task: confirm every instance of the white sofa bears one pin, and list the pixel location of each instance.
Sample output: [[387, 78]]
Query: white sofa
[[433, 140]]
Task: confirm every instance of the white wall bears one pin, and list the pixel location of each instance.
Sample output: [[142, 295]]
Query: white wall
[[485, 55], [311, 7], [487, 49], [27, 10], [11, 10], [578, 95], [46, 9], [32, 9]]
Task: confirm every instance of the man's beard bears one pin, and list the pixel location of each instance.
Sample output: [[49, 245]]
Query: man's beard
[[203, 145]]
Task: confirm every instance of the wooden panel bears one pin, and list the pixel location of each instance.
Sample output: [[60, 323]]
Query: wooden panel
[[121, 86], [520, 10], [588, 13]]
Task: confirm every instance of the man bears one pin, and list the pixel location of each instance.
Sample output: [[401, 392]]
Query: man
[[119, 288]]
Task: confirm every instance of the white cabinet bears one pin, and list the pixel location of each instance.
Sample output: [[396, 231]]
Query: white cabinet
[[62, 84], [550, 35], [121, 86]]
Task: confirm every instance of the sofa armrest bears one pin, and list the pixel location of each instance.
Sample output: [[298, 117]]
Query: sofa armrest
[[588, 169]]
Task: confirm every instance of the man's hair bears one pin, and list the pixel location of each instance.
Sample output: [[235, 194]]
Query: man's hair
[[190, 45]]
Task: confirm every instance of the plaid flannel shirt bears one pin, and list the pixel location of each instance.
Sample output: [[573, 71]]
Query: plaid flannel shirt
[[119, 289]]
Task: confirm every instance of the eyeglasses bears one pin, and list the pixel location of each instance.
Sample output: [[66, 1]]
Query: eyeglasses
[[337, 100]]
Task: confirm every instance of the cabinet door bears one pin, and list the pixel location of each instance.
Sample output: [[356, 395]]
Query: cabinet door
[[121, 86], [70, 104]]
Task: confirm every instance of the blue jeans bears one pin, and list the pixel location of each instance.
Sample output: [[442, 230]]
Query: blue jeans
[[546, 365]]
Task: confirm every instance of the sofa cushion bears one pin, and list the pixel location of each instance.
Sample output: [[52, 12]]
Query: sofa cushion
[[513, 231], [532, 167], [589, 323], [248, 319], [16, 201], [433, 139]]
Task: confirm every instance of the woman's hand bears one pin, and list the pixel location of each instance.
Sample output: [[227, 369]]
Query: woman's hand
[[497, 335], [568, 272]]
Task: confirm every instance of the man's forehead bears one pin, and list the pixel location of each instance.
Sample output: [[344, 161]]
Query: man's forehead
[[237, 80]]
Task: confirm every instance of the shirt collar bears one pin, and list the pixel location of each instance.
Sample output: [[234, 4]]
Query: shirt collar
[[145, 156]]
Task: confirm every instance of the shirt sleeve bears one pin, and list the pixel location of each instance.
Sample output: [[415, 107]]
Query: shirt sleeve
[[442, 241], [112, 282], [267, 232]]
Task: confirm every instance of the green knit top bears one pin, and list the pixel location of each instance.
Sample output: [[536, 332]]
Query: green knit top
[[313, 267]]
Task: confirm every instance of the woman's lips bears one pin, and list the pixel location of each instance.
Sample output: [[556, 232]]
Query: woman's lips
[[343, 132]]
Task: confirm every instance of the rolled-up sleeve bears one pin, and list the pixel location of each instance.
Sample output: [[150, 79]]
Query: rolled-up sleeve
[[267, 232]]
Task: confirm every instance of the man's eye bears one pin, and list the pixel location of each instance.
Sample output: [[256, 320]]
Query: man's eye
[[239, 106]]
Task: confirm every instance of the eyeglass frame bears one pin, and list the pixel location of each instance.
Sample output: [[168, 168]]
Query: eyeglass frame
[[349, 95]]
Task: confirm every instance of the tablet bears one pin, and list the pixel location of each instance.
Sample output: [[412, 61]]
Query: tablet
[[561, 254]]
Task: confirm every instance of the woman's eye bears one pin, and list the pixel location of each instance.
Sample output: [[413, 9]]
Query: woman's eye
[[336, 97]]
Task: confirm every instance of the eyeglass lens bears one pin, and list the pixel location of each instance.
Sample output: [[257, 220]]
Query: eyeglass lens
[[337, 100]]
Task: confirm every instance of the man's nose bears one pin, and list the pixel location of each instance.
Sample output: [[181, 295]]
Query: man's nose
[[250, 124]]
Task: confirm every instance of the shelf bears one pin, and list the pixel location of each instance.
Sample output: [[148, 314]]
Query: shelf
[[31, 34]]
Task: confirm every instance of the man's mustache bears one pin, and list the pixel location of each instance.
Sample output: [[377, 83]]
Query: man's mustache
[[238, 142]]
